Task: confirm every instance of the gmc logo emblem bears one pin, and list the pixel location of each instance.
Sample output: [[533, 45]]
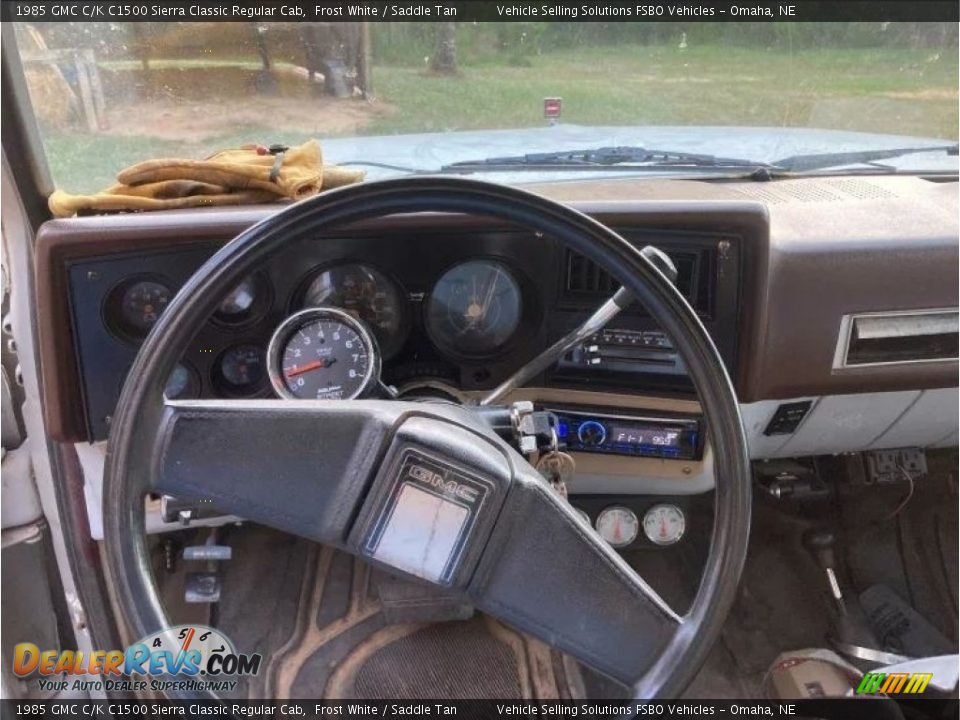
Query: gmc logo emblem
[[448, 487]]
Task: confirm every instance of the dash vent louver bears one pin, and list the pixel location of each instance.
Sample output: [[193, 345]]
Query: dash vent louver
[[586, 282]]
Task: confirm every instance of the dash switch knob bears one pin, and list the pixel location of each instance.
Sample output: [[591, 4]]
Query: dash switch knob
[[591, 433]]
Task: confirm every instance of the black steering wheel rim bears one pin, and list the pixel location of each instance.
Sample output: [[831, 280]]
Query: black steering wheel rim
[[131, 450]]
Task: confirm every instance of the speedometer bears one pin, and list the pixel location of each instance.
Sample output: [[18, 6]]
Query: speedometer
[[322, 354], [367, 294]]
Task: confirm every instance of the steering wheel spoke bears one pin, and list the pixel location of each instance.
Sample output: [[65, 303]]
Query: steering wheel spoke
[[547, 572], [295, 466]]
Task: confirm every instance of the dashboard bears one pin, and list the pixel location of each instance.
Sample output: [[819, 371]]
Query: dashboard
[[832, 301], [446, 313]]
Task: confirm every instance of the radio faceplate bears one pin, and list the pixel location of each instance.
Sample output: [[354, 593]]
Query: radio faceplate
[[671, 437]]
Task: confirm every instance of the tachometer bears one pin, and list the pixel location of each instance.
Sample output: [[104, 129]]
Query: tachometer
[[475, 308], [365, 293], [322, 354]]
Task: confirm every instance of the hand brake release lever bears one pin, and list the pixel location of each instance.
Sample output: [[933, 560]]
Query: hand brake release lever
[[593, 324]]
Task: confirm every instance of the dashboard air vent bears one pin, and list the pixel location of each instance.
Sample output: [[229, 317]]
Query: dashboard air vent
[[586, 282], [897, 337]]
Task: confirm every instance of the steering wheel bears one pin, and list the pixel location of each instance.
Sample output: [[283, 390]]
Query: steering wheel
[[354, 474]]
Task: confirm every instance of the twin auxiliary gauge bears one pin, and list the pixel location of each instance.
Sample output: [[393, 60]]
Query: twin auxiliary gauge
[[663, 524]]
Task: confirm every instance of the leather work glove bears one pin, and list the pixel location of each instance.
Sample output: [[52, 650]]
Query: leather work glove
[[238, 176]]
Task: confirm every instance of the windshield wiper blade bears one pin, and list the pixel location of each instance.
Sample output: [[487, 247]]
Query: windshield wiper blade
[[605, 157], [804, 163]]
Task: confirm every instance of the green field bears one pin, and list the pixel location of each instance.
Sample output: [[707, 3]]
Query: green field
[[885, 90], [889, 91]]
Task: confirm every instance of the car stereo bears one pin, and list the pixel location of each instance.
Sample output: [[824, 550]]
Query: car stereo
[[670, 437]]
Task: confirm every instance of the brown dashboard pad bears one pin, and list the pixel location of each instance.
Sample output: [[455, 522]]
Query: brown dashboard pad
[[250, 174], [811, 251]]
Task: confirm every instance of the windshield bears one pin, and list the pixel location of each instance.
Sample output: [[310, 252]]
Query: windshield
[[399, 97]]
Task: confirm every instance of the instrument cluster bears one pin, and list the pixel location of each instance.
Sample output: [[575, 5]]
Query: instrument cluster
[[472, 313]]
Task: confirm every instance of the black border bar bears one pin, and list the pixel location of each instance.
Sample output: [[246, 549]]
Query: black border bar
[[482, 11], [827, 709]]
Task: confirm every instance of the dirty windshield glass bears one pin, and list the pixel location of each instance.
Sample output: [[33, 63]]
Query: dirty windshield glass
[[395, 95]]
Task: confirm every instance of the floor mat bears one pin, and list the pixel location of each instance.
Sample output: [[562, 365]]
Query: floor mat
[[316, 617], [905, 540], [437, 651], [329, 639]]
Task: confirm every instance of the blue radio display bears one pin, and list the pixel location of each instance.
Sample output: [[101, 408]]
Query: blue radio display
[[639, 435], [672, 438]]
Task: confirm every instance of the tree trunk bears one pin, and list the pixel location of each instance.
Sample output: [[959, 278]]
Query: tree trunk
[[444, 58]]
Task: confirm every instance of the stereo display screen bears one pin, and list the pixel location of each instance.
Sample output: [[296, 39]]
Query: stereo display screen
[[639, 435]]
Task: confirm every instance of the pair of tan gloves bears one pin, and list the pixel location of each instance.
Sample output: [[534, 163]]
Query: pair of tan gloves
[[240, 176]]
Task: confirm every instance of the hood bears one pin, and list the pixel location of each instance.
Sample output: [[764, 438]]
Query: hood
[[428, 152]]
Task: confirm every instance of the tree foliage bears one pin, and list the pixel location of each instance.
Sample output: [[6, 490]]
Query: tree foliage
[[510, 43], [412, 43]]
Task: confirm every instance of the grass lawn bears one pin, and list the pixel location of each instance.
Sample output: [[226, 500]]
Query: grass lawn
[[908, 93], [875, 90]]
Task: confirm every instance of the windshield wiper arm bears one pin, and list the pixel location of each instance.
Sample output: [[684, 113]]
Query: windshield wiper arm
[[604, 157], [803, 163], [637, 158]]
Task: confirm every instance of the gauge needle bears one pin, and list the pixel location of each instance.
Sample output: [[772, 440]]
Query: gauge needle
[[315, 365], [489, 298], [477, 311]]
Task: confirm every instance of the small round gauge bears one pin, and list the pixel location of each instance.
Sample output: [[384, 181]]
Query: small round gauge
[[618, 525], [135, 306], [183, 383], [240, 370], [367, 294], [322, 354], [664, 524], [245, 301], [583, 514], [475, 308]]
